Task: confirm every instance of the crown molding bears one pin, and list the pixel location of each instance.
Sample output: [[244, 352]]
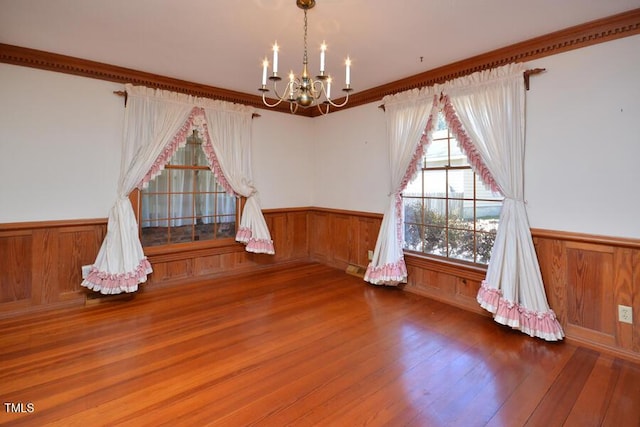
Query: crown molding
[[42, 60], [598, 31]]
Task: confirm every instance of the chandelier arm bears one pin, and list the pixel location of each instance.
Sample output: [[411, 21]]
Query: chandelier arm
[[346, 99], [326, 111], [317, 92], [264, 101], [284, 94], [279, 97]]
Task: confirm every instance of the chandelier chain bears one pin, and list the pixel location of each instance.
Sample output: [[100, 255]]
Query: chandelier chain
[[304, 58]]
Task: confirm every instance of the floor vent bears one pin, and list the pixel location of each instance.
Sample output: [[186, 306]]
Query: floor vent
[[356, 270]]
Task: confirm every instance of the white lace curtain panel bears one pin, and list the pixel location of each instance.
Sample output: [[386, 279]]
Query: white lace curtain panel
[[157, 123], [156, 209], [486, 113]]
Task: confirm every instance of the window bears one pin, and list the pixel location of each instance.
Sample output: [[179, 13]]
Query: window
[[448, 212], [185, 203]]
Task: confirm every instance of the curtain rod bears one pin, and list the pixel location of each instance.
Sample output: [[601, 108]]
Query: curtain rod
[[126, 96], [525, 74]]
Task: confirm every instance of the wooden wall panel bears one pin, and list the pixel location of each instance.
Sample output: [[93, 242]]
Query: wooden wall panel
[[277, 225], [552, 259], [623, 294], [78, 246], [15, 273], [289, 231], [589, 286], [341, 239], [456, 286], [208, 264], [298, 234], [635, 298], [320, 234], [468, 288], [368, 229], [40, 263], [586, 278], [45, 267]]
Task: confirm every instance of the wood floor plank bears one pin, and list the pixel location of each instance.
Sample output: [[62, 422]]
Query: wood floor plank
[[302, 346], [624, 406], [544, 362], [561, 397], [591, 406]]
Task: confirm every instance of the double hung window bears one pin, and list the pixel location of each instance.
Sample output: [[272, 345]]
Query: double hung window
[[185, 203], [448, 212]]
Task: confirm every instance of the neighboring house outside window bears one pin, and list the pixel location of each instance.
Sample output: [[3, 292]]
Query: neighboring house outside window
[[185, 203], [448, 212]]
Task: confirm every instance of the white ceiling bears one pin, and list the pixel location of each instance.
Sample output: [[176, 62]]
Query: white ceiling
[[222, 42]]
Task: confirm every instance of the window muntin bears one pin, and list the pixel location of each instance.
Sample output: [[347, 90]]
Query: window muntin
[[448, 211], [185, 203]]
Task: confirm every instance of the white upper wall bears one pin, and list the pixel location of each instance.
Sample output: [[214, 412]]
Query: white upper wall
[[582, 152], [60, 147], [350, 153], [583, 141], [282, 160], [60, 139]]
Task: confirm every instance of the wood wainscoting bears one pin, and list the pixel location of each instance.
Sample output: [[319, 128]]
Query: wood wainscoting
[[289, 230], [40, 263], [340, 238], [586, 276]]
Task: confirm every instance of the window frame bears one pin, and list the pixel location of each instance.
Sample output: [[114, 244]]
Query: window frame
[[135, 198], [446, 259], [136, 202]]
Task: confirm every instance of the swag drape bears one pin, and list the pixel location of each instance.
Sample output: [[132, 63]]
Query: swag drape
[[156, 125], [408, 116], [485, 111], [491, 108]]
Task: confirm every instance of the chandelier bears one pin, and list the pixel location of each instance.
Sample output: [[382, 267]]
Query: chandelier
[[303, 91]]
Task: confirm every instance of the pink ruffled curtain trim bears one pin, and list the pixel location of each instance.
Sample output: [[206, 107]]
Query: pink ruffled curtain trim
[[258, 246], [107, 283], [387, 273], [541, 325], [466, 145], [396, 272], [214, 164], [425, 140], [179, 139]]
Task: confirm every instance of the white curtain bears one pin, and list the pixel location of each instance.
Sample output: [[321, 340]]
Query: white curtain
[[407, 115], [491, 108], [228, 151], [155, 208], [157, 123]]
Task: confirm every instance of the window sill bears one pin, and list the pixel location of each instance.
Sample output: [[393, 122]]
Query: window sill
[[455, 268], [180, 251]]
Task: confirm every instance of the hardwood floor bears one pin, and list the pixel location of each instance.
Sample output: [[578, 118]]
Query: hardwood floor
[[305, 346]]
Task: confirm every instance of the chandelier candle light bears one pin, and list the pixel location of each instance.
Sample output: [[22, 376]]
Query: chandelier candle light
[[303, 91]]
